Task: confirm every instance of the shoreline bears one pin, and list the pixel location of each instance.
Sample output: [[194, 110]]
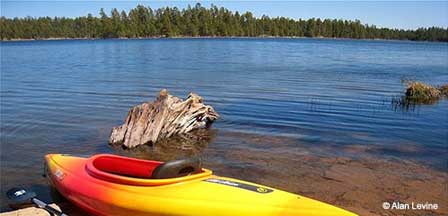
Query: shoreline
[[359, 184], [215, 37], [359, 181]]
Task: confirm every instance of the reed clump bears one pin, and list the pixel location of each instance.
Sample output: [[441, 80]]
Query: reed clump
[[444, 90], [421, 92]]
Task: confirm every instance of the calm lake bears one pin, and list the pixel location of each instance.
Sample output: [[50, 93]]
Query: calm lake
[[321, 95]]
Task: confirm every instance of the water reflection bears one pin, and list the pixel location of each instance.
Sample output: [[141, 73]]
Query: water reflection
[[407, 104], [176, 147]]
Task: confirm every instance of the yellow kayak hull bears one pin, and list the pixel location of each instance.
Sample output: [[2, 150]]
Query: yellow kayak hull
[[201, 194]]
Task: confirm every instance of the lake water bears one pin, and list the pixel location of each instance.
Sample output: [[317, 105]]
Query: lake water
[[65, 96]]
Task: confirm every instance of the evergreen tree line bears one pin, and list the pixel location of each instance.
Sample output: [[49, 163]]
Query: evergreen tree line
[[200, 21]]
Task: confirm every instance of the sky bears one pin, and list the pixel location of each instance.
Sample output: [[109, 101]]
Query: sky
[[390, 14]]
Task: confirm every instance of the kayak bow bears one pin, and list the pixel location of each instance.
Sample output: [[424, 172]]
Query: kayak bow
[[113, 185]]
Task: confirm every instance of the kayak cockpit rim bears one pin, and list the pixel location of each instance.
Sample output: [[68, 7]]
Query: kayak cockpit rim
[[134, 171]]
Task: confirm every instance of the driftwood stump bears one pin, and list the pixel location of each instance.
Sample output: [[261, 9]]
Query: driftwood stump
[[166, 116]]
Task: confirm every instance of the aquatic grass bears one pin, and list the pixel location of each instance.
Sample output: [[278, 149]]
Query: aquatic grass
[[419, 93], [444, 90]]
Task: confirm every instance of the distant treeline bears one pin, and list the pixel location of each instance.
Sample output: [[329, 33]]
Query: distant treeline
[[200, 21]]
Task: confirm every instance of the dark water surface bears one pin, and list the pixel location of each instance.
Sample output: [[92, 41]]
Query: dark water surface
[[65, 96]]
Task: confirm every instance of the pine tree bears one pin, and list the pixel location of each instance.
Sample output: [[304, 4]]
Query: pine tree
[[199, 21]]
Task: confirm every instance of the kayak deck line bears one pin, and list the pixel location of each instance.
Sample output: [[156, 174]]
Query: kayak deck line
[[250, 187]]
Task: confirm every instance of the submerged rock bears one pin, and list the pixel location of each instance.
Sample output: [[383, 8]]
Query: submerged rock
[[168, 115]]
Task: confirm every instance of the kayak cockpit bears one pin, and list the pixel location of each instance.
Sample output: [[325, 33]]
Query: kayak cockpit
[[131, 171]]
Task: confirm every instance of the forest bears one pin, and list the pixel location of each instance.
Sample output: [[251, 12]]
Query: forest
[[199, 21]]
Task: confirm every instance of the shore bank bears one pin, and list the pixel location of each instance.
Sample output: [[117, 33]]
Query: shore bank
[[211, 37], [360, 184], [358, 180]]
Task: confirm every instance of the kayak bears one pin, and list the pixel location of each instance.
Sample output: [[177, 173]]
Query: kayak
[[108, 184]]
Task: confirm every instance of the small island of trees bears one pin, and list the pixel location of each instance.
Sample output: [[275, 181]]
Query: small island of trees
[[198, 21]]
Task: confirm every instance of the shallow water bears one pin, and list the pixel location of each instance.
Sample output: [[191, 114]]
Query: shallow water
[[65, 96]]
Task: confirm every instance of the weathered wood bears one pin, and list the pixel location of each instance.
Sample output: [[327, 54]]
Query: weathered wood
[[166, 116]]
